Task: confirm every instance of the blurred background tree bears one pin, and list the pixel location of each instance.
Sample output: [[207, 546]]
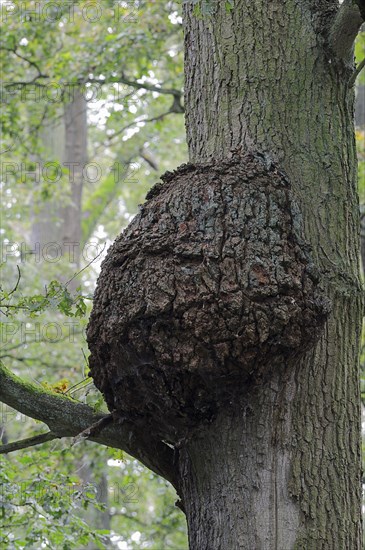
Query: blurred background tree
[[85, 133]]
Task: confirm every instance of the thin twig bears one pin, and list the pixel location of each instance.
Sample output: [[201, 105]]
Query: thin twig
[[29, 61], [356, 73], [76, 387], [17, 283], [136, 122], [93, 429], [138, 85], [86, 267]]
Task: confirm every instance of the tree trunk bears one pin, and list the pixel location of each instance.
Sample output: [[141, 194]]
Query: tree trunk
[[61, 223], [280, 469], [75, 153]]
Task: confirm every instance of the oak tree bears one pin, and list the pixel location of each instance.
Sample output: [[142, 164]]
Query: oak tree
[[225, 329]]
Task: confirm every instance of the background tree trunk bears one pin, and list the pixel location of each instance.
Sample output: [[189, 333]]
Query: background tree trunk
[[281, 468], [66, 144]]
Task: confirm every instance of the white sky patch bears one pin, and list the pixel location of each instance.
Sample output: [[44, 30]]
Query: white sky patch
[[116, 463], [175, 18], [98, 113], [151, 79], [101, 233], [136, 537], [130, 132]]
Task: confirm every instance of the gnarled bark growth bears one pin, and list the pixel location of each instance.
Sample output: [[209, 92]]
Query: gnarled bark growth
[[210, 288]]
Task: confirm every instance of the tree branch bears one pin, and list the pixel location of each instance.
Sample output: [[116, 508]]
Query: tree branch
[[30, 63], [356, 73], [347, 22], [25, 443], [172, 110], [94, 429], [361, 6], [148, 158], [17, 283], [122, 79], [68, 418]]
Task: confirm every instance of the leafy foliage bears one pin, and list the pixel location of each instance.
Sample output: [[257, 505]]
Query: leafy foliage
[[44, 499], [42, 508]]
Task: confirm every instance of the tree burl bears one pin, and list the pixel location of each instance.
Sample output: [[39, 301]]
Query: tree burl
[[209, 288]]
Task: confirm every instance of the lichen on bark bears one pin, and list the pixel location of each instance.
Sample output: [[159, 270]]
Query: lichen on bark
[[209, 288]]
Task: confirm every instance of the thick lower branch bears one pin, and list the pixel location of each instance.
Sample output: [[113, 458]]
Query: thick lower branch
[[345, 27], [68, 418]]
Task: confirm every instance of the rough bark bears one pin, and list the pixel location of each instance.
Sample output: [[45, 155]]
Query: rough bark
[[209, 289], [345, 27], [279, 465], [362, 235], [286, 474], [68, 418]]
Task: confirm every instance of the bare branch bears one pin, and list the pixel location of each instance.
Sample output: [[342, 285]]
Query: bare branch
[[30, 62], [68, 418], [122, 79], [17, 283], [145, 120], [148, 158], [26, 443], [86, 267], [356, 73], [348, 20]]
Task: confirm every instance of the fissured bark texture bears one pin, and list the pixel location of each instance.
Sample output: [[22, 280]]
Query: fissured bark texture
[[209, 288]]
